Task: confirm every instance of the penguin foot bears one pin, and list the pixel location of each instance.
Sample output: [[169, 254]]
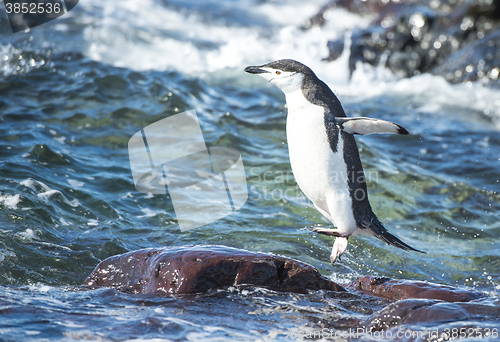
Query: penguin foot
[[338, 249], [327, 231]]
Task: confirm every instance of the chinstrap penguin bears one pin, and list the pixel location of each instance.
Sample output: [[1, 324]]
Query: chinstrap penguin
[[324, 155]]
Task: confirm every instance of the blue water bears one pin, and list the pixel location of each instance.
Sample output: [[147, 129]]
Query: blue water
[[73, 92]]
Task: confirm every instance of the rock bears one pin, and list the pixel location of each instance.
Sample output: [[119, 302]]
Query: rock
[[363, 7], [410, 311], [403, 289], [410, 42], [335, 49], [198, 269], [479, 60], [415, 37]]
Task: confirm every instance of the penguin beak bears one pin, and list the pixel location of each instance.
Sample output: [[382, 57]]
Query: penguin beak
[[255, 70]]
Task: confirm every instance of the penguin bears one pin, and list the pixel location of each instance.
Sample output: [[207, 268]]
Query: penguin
[[324, 156]]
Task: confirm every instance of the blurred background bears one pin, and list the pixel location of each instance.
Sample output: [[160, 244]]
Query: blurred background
[[74, 90]]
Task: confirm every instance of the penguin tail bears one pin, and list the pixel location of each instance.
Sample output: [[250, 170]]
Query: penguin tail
[[381, 232], [396, 242]]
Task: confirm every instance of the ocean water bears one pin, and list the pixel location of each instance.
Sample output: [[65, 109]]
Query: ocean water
[[73, 92]]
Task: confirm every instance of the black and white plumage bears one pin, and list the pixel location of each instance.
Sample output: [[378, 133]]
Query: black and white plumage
[[324, 155]]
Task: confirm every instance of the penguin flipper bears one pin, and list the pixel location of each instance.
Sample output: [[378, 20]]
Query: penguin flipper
[[364, 126]]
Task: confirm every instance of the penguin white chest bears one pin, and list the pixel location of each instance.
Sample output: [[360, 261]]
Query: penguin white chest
[[320, 172]]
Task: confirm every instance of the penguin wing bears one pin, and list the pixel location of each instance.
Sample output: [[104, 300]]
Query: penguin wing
[[364, 126]]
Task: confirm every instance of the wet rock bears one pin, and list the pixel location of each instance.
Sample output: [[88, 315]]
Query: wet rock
[[403, 289], [335, 48], [198, 269], [413, 37], [478, 61], [426, 310], [409, 42], [363, 7]]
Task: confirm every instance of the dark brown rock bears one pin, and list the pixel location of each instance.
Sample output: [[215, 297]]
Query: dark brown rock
[[402, 289], [197, 269], [410, 311]]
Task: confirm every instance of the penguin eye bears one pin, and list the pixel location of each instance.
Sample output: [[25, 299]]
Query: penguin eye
[[278, 72]]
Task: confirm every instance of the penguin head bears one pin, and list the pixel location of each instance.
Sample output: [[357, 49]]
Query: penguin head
[[286, 74]]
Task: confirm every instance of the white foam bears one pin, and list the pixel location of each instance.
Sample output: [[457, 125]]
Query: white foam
[[75, 183], [65, 223], [161, 38], [93, 222], [149, 212], [28, 183], [10, 201], [45, 288], [61, 139], [433, 92], [128, 195], [32, 184], [32, 332], [45, 196], [46, 192], [28, 235], [69, 324]]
